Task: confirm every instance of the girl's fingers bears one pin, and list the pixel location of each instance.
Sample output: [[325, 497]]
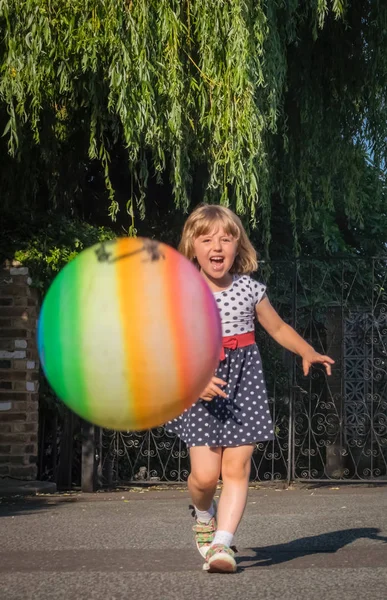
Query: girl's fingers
[[217, 391], [218, 381], [211, 391], [306, 367], [328, 368], [327, 361]]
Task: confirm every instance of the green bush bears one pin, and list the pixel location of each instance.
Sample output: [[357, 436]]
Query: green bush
[[46, 244]]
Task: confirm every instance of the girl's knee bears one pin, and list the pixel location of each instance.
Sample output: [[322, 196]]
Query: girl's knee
[[236, 470], [204, 481]]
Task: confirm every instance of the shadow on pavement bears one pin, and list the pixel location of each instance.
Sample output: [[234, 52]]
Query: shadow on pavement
[[10, 507], [328, 543]]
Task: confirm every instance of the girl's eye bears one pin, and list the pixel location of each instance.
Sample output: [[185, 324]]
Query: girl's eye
[[226, 240]]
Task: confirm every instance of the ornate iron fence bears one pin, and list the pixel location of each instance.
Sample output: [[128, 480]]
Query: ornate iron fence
[[326, 428]]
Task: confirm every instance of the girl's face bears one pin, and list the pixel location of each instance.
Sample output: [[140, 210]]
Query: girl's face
[[215, 253]]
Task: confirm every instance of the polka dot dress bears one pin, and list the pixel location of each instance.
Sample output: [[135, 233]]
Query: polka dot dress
[[244, 417]]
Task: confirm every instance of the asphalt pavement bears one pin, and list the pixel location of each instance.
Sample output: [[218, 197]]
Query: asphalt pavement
[[304, 543]]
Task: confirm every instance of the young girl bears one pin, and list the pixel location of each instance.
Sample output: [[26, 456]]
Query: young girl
[[232, 414]]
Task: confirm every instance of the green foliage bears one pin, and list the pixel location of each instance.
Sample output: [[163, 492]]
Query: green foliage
[[45, 244], [274, 103], [48, 244], [334, 231]]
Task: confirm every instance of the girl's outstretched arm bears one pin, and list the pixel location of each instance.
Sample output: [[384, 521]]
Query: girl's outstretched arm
[[287, 337]]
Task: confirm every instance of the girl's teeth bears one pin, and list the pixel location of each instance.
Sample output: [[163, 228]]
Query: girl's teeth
[[217, 263]]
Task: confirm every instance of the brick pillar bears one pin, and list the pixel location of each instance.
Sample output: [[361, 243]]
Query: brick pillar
[[19, 369]]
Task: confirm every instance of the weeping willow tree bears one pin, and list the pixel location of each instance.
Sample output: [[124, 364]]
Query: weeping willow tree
[[270, 107]]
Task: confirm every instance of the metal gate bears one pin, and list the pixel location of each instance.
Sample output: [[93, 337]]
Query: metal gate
[[326, 428]]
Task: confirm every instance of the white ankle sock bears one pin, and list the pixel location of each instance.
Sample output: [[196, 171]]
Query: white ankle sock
[[204, 516], [223, 537]]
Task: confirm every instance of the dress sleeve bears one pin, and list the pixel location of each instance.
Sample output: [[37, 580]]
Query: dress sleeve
[[258, 291]]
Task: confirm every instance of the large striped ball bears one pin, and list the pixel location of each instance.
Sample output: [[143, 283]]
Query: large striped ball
[[129, 334]]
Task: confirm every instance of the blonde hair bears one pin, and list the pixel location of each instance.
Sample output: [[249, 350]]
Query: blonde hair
[[203, 220]]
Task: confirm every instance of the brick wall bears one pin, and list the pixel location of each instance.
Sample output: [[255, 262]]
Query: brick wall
[[19, 368]]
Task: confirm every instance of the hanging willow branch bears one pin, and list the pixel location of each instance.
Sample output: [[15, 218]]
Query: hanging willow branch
[[279, 99]]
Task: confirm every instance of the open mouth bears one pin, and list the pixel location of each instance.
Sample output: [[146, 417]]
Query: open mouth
[[217, 262]]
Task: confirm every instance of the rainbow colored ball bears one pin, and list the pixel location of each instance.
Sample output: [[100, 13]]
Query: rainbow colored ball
[[129, 334]]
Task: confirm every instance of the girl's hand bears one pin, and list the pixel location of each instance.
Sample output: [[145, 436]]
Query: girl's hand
[[213, 390], [289, 338], [311, 357]]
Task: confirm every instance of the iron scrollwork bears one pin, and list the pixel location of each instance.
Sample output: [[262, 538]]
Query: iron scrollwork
[[326, 428]]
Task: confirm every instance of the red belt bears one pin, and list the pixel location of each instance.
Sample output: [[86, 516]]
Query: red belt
[[232, 342]]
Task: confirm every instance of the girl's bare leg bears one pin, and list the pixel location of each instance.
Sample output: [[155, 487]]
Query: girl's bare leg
[[204, 476], [235, 468]]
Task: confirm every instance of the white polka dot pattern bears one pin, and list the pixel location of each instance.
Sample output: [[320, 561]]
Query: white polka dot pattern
[[237, 304], [244, 417]]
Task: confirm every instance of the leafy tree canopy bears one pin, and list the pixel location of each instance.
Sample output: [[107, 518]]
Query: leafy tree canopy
[[272, 107]]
